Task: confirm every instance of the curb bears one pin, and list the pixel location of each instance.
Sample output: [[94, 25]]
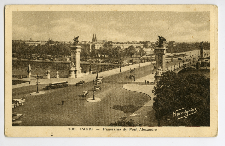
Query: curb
[[137, 92]]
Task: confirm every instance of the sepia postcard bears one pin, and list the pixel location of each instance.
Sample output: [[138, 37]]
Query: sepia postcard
[[111, 70]]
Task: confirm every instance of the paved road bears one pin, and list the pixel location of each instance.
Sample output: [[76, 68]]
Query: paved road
[[116, 102]]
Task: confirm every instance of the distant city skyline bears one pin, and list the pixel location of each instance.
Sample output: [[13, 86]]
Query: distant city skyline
[[117, 26]]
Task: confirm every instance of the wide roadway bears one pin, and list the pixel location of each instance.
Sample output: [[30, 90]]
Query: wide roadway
[[116, 102]]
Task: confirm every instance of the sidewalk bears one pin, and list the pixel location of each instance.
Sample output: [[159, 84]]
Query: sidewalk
[[141, 116], [86, 78]]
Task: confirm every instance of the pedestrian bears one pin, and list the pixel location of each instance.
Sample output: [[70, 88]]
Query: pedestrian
[[62, 102]]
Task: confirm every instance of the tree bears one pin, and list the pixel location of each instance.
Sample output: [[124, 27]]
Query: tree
[[103, 51], [130, 51], [116, 52], [142, 52], [146, 44], [107, 49], [85, 53], [164, 95], [93, 51], [174, 92]]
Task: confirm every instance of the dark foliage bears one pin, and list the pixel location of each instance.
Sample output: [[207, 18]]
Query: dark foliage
[[174, 92]]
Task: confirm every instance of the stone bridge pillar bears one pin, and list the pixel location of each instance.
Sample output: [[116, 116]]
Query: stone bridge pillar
[[75, 59], [160, 57]]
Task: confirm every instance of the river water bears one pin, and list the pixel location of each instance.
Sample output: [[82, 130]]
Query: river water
[[40, 68]]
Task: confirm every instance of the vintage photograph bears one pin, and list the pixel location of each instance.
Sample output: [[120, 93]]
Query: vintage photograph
[[111, 69]]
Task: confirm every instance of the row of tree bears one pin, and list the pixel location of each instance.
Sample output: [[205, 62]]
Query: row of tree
[[184, 47], [117, 52], [107, 50], [22, 49], [60, 49]]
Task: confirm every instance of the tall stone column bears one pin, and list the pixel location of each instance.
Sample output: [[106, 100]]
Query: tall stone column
[[75, 70], [72, 66], [78, 68], [160, 56]]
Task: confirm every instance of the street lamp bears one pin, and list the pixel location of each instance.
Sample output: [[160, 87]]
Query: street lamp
[[93, 93], [120, 64], [37, 83], [97, 72]]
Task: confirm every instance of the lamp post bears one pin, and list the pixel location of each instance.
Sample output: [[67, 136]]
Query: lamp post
[[37, 83], [90, 66], [93, 93], [97, 73], [120, 64]]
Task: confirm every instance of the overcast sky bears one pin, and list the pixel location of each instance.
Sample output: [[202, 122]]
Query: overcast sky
[[112, 26]]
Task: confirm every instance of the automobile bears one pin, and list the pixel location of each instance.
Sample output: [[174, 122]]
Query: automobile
[[64, 83], [57, 85], [97, 87], [99, 81], [16, 116], [51, 86], [16, 123], [19, 101], [80, 83], [85, 93], [179, 59], [15, 103]]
